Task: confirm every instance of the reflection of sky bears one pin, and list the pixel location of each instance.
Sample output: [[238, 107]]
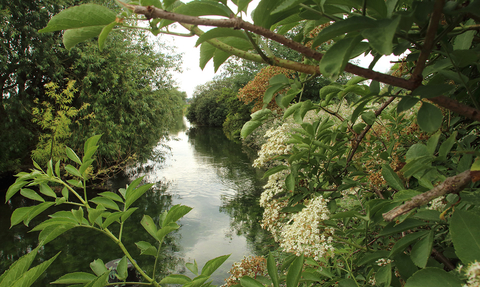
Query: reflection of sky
[[195, 182]]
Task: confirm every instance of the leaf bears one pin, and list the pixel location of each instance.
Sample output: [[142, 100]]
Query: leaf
[[274, 170], [45, 189], [98, 267], [433, 277], [464, 40], [406, 103], [175, 213], [249, 127], [406, 194], [369, 118], [111, 195], [430, 91], [391, 177], [72, 37], [146, 248], [290, 182], [336, 58], [28, 193], [372, 257], [136, 194], [407, 224], [149, 225], [162, 232], [417, 150], [213, 264], [357, 23], [272, 270], [203, 8], [94, 213], [14, 188], [103, 35], [51, 232], [73, 171], [465, 233], [75, 278], [295, 271], [85, 15], [111, 219], [192, 267], [432, 143], [383, 277], [218, 33], [271, 91], [207, 51], [106, 202], [72, 155], [126, 214], [247, 281], [347, 283], [175, 279], [292, 109], [29, 277], [381, 36], [403, 243], [422, 250], [18, 268], [122, 268], [429, 118], [446, 146]]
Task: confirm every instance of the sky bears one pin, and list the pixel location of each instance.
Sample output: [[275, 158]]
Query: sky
[[193, 76]]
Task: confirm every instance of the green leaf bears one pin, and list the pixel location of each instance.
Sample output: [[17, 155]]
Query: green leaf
[[274, 170], [407, 224], [112, 218], [98, 267], [162, 232], [432, 143], [446, 146], [391, 177], [94, 213], [78, 214], [175, 279], [122, 268], [29, 277], [249, 127], [383, 277], [429, 118], [203, 8], [464, 40], [103, 35], [417, 150], [106, 202], [381, 36], [46, 190], [406, 194], [247, 281], [75, 278], [430, 91], [206, 53], [372, 257], [14, 188], [72, 155], [218, 33], [404, 242], [80, 16], [192, 267], [213, 264], [295, 272], [146, 248], [136, 194], [422, 250], [433, 277], [465, 233], [271, 91], [72, 37], [272, 270], [347, 283], [73, 171], [406, 103], [357, 23], [111, 195], [175, 213], [290, 182], [336, 58], [292, 109], [149, 225], [49, 233], [369, 118], [28, 193], [126, 214], [18, 268]]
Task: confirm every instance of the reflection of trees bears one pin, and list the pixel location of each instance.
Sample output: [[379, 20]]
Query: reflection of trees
[[233, 166], [80, 246]]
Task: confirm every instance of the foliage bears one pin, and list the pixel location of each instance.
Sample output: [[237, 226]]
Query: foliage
[[100, 213], [356, 173]]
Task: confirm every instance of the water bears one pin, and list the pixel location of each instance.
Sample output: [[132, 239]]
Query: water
[[204, 171]]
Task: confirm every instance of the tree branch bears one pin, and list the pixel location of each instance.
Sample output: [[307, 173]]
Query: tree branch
[[152, 12], [452, 184]]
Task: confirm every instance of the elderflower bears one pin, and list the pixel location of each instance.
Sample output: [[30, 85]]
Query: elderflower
[[306, 234], [274, 186], [251, 266], [473, 275], [383, 261], [437, 204], [275, 145], [273, 219]]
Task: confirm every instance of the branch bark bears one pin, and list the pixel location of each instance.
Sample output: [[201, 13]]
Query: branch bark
[[452, 184], [190, 22]]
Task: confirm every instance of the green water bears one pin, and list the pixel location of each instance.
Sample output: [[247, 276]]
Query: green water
[[204, 171]]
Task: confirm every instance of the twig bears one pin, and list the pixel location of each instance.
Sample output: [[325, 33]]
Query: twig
[[429, 41], [452, 184]]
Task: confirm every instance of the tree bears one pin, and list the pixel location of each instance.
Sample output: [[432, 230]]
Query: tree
[[374, 185]]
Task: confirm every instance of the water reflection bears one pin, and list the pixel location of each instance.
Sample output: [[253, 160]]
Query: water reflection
[[204, 170]]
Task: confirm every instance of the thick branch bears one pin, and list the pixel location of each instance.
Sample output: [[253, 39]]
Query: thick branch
[[452, 184], [429, 41], [151, 12]]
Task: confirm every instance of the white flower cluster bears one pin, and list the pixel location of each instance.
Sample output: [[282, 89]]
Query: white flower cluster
[[383, 261], [273, 220], [274, 186], [275, 145], [473, 275], [306, 234], [437, 204]]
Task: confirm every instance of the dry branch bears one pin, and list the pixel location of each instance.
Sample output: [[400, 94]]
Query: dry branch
[[452, 184]]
